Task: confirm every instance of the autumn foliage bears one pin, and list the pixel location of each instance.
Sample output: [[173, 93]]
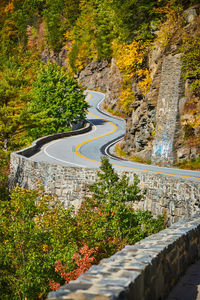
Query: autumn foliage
[[83, 260], [131, 60], [44, 245]]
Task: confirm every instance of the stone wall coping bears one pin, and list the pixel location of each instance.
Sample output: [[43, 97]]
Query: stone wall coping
[[147, 270], [37, 144]]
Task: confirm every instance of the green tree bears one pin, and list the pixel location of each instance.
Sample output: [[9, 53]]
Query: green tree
[[107, 220], [110, 187], [191, 60], [132, 18], [35, 232], [11, 105], [55, 24], [57, 102], [16, 77], [4, 171]]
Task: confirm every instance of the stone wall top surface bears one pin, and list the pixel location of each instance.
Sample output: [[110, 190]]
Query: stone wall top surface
[[36, 145], [147, 270]]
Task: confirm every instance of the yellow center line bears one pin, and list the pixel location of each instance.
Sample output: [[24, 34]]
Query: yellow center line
[[77, 148], [81, 144]]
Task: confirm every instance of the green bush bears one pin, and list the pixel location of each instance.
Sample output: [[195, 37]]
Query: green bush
[[191, 59], [57, 102]]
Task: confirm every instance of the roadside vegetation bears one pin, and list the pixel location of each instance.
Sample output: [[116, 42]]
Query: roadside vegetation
[[44, 244], [193, 164], [56, 103], [121, 153], [35, 104]]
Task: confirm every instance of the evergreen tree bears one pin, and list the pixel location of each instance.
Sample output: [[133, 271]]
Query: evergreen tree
[[111, 188]]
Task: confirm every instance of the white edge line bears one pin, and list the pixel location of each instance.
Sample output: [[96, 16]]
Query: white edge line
[[106, 150], [111, 144], [109, 115], [103, 111], [67, 162]]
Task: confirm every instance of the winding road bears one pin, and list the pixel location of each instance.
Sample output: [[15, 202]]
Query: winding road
[[86, 150]]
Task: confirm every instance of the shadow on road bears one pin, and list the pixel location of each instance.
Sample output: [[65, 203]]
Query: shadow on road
[[97, 122]]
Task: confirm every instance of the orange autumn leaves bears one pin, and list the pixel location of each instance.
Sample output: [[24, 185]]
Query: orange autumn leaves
[[83, 260]]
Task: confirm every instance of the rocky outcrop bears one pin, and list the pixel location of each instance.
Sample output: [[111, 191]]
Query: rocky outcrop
[[95, 75], [140, 129], [188, 144], [105, 77], [113, 86], [59, 57], [148, 133]]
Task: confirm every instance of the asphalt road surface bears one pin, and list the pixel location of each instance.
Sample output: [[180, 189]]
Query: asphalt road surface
[[86, 150]]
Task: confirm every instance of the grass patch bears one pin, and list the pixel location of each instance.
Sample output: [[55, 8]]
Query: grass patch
[[113, 112], [121, 153], [193, 164]]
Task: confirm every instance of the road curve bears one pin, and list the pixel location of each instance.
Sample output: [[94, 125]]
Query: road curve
[[86, 150]]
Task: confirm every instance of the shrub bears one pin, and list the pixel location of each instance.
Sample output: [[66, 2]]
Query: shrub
[[44, 245]]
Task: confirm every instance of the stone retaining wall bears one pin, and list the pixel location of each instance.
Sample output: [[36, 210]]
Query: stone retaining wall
[[147, 270], [176, 197]]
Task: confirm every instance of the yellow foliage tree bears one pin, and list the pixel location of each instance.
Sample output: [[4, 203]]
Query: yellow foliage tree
[[126, 98], [174, 24], [9, 8], [145, 80], [130, 59]]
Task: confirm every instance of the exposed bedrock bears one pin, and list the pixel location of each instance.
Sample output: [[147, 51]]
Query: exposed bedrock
[[95, 75], [105, 77]]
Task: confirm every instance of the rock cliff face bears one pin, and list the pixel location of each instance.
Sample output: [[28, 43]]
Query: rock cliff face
[[156, 128], [95, 75], [113, 86], [105, 77], [141, 124], [59, 57]]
